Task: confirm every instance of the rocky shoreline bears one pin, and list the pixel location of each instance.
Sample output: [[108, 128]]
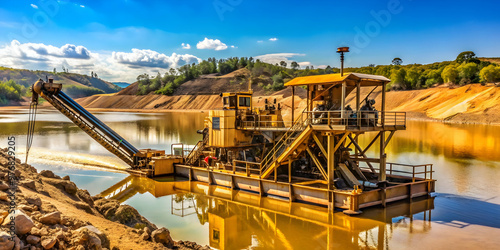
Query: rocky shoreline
[[46, 211]]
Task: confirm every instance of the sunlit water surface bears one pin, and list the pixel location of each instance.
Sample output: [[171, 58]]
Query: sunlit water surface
[[463, 214]]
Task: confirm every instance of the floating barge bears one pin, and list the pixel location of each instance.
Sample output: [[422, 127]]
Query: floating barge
[[316, 159]]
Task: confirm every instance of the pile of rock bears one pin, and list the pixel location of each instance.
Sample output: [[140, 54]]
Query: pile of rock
[[40, 225]]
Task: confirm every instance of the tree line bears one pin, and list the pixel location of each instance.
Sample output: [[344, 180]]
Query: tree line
[[466, 69]]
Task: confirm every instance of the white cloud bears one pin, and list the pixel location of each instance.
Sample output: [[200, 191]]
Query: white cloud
[[260, 41], [34, 6], [149, 58], [186, 46], [304, 64], [211, 44], [111, 66], [234, 47], [83, 6], [278, 57], [35, 51], [274, 39]]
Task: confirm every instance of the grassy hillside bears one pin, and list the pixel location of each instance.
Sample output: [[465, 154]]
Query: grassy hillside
[[27, 77]]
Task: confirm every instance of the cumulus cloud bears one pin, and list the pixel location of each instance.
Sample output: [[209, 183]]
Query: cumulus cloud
[[111, 66], [150, 58], [186, 46], [234, 47], [34, 6], [82, 6], [211, 44], [39, 51], [274, 39], [278, 57]]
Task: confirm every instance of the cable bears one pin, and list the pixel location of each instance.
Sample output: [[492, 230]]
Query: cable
[[31, 127]]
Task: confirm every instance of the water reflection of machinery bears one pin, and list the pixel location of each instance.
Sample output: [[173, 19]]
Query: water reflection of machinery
[[238, 220]]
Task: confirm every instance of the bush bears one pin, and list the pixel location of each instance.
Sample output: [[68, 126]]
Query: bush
[[467, 72], [11, 91], [490, 73], [450, 74]]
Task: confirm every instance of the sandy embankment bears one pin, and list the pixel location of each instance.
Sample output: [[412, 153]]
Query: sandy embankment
[[472, 103], [53, 213]]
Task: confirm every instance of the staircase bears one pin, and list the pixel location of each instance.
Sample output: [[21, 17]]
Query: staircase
[[196, 152], [290, 141]]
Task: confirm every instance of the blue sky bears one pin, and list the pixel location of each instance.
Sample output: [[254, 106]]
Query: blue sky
[[121, 39]]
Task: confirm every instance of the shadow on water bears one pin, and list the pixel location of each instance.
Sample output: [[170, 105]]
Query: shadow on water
[[461, 211]]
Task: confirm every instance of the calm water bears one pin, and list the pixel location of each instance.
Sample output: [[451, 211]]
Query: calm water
[[463, 214]]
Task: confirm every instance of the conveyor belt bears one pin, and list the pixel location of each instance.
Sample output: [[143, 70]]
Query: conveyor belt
[[99, 131]]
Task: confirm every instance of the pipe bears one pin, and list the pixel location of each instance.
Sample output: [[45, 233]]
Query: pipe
[[368, 184]]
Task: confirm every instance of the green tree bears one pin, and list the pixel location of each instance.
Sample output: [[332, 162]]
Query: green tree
[[467, 56], [294, 65], [490, 73], [450, 74], [398, 78], [397, 61], [467, 72], [412, 77], [283, 64]]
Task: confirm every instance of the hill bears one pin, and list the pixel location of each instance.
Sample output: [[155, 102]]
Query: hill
[[490, 59], [82, 85]]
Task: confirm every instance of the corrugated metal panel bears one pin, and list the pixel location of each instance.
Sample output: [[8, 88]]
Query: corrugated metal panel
[[334, 79]]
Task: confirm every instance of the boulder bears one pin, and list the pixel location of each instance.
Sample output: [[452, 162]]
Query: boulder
[[28, 208], [3, 196], [23, 223], [162, 236], [70, 187], [5, 241], [32, 239], [67, 186], [48, 242], [49, 174], [18, 244], [66, 178], [17, 173], [28, 183], [3, 186], [3, 215], [51, 218], [86, 238], [85, 196], [104, 239], [35, 200], [39, 232], [144, 236]]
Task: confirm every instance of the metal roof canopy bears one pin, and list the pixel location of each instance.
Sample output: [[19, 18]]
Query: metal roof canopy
[[363, 79]]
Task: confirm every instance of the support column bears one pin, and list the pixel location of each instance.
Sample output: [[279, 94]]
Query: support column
[[358, 104], [342, 102], [381, 176], [330, 169], [293, 105], [382, 108]]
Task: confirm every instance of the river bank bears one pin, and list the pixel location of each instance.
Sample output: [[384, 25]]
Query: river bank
[[53, 213]]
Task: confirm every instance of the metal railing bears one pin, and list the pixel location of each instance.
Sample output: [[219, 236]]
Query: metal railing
[[247, 168], [358, 119], [422, 171], [298, 126], [260, 121]]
